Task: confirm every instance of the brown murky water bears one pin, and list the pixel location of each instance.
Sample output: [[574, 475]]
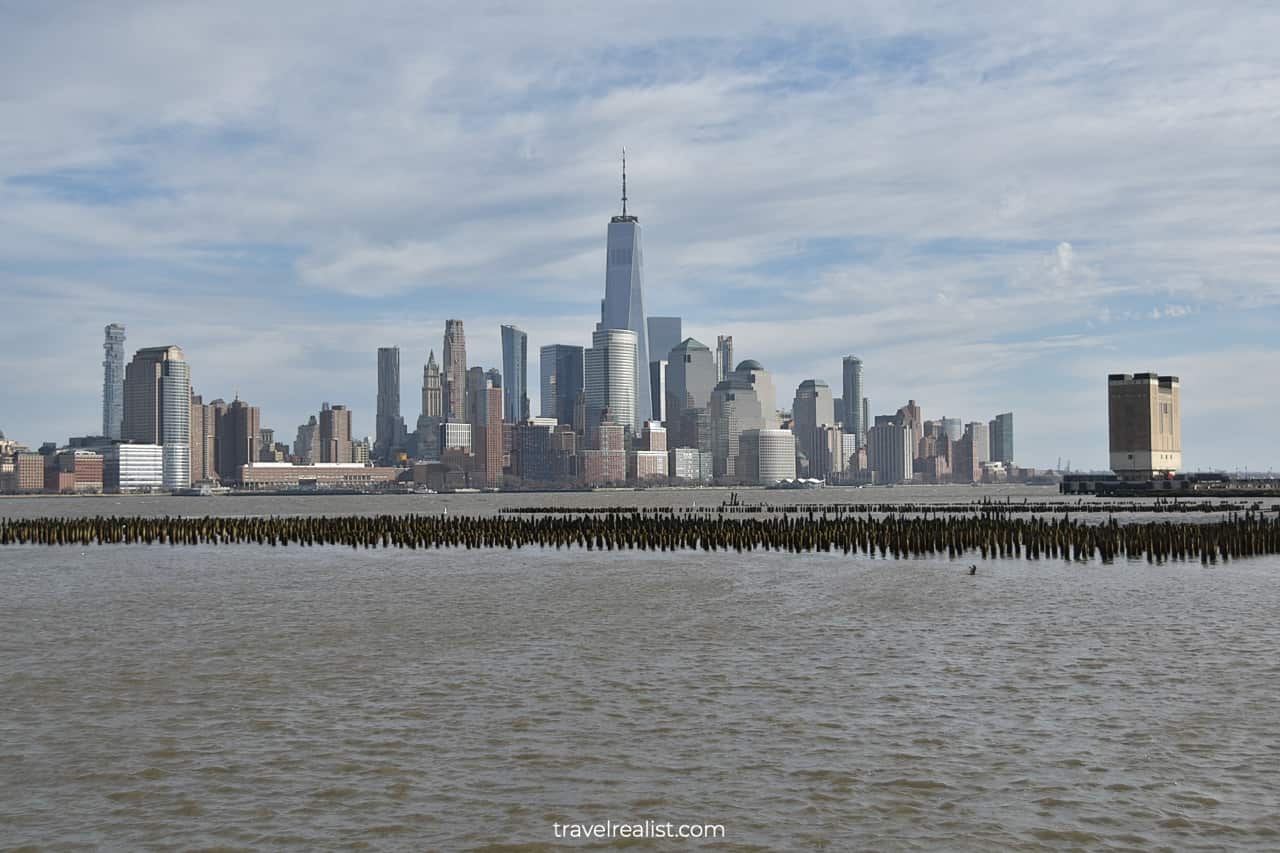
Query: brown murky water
[[246, 697]]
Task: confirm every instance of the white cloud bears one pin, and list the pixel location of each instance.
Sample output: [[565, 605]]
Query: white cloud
[[931, 189]]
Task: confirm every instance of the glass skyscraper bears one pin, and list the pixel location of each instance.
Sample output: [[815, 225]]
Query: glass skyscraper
[[515, 369], [611, 377], [389, 427], [623, 304], [561, 369], [852, 416], [1000, 436], [157, 408], [113, 381], [664, 336]]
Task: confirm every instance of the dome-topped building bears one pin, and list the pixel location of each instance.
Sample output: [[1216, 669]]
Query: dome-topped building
[[754, 372]]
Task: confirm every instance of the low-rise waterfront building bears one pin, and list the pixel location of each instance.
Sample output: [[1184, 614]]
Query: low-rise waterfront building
[[648, 465], [132, 467], [330, 475], [691, 465]]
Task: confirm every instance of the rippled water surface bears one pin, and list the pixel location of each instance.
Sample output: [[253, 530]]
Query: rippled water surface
[[248, 697]]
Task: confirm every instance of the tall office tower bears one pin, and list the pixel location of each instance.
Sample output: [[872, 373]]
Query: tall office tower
[[1001, 437], [455, 371], [664, 334], [909, 415], [157, 408], [734, 409], [113, 381], [623, 304], [432, 389], [486, 433], [691, 377], [889, 451], [981, 441], [306, 447], [484, 415], [611, 378], [335, 434], [658, 388], [754, 372], [427, 432], [476, 400], [515, 367], [829, 461], [579, 422], [724, 356], [389, 427], [238, 437], [866, 422], [953, 428], [494, 375], [205, 419], [561, 368], [853, 417], [933, 442], [199, 458], [813, 407], [1144, 413], [966, 455]]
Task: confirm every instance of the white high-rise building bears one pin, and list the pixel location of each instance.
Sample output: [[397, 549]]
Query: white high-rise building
[[623, 303], [611, 378], [889, 452], [132, 467]]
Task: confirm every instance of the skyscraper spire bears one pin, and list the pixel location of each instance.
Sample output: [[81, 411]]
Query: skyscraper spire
[[624, 182]]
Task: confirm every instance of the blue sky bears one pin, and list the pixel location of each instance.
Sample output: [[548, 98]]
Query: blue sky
[[992, 207]]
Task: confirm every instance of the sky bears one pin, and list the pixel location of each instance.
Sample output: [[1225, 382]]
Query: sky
[[993, 205]]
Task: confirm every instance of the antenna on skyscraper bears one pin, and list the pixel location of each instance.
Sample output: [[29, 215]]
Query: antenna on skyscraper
[[624, 182]]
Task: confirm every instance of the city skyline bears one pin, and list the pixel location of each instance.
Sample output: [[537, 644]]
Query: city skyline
[[1007, 273]]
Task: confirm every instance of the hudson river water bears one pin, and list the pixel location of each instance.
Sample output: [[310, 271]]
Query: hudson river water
[[248, 697]]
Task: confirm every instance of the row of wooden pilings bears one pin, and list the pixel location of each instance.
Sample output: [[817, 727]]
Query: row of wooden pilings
[[1239, 535], [984, 506]]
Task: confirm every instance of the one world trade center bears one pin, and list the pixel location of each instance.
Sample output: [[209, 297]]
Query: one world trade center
[[623, 304]]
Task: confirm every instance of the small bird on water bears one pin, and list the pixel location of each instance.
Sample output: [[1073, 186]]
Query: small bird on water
[[973, 569]]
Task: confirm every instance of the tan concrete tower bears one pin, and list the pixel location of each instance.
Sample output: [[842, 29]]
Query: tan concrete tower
[[1145, 418]]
